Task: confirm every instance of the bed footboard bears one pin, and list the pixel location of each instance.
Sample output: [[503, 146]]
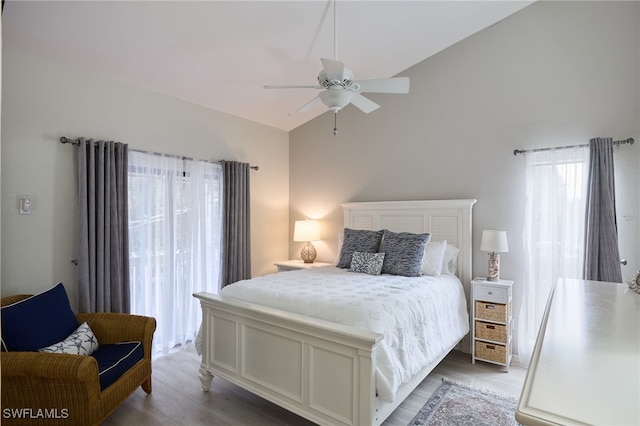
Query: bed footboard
[[320, 370]]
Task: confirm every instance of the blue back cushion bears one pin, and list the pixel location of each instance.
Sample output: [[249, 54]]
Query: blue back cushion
[[38, 321]]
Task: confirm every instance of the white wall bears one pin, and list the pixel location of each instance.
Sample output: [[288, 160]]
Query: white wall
[[553, 74], [43, 100]]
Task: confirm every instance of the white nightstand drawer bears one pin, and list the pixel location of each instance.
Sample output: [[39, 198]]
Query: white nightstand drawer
[[491, 294]]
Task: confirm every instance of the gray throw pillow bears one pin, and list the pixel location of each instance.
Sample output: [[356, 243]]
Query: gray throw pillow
[[403, 253], [361, 240], [368, 263]]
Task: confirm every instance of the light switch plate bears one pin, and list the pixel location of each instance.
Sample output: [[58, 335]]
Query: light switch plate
[[25, 204]]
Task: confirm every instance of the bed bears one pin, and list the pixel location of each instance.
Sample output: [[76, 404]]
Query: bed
[[326, 371]]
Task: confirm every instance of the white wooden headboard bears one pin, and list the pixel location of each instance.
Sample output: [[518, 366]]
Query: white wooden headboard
[[445, 219]]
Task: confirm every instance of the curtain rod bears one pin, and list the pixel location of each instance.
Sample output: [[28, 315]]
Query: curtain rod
[[524, 151], [64, 139]]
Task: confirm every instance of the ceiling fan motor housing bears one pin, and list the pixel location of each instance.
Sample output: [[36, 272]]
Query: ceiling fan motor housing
[[345, 80]]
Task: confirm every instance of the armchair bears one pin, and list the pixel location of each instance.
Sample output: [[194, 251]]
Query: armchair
[[53, 388]]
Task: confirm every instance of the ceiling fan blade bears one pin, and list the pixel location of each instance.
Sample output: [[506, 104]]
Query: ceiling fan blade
[[363, 103], [292, 87], [309, 105], [383, 85], [334, 70]]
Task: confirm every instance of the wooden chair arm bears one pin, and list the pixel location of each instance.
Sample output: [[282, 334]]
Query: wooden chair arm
[[44, 365], [116, 328], [68, 384]]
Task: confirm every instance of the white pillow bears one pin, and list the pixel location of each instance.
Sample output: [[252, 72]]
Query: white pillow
[[433, 257], [80, 342], [450, 261], [340, 241]]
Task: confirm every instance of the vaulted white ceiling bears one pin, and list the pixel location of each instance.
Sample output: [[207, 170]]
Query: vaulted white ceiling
[[220, 54]]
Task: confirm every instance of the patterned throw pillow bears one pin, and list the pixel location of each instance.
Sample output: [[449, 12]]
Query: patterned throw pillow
[[80, 342], [368, 263], [403, 253], [361, 240]]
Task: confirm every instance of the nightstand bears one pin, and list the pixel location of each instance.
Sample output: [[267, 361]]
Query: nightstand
[[491, 330], [292, 265]]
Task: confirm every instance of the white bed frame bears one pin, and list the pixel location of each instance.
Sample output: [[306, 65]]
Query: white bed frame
[[321, 370]]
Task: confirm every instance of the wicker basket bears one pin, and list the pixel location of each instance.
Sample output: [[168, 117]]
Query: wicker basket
[[491, 311], [493, 332], [491, 352]]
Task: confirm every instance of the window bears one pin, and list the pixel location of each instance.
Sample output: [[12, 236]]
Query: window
[[556, 182], [175, 231]]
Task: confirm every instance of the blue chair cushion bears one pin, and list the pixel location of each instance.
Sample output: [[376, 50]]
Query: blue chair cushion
[[116, 359], [38, 321]]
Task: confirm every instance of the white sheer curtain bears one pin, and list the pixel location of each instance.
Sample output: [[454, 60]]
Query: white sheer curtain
[[175, 228], [556, 182]]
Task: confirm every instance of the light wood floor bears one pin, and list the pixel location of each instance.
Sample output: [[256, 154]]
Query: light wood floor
[[178, 400]]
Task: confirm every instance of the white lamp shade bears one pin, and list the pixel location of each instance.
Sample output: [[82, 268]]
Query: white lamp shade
[[494, 241], [306, 230]]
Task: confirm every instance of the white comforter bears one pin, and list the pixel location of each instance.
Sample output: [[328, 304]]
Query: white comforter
[[419, 317]]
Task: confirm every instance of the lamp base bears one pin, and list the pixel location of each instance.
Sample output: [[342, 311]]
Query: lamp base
[[308, 253], [494, 267]]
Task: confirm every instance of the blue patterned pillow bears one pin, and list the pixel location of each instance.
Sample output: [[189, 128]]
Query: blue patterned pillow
[[403, 253], [80, 342], [360, 240], [368, 263]]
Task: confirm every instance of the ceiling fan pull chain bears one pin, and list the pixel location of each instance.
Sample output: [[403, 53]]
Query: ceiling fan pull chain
[[335, 123]]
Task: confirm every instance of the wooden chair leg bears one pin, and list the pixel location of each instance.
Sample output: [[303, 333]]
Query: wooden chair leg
[[146, 385]]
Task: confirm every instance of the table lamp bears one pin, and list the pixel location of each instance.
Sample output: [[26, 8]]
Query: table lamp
[[307, 231], [494, 242]]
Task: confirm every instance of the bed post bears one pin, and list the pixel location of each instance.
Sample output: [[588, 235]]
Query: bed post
[[367, 389], [205, 378]]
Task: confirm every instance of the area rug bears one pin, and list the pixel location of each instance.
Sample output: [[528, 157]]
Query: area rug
[[461, 405]]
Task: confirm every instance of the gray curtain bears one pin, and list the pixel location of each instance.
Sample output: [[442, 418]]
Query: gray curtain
[[103, 258], [602, 257], [236, 242]]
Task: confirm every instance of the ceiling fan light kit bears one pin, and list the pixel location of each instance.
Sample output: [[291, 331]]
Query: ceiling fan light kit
[[339, 89], [336, 98]]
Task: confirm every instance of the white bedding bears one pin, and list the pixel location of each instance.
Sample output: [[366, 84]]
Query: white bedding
[[420, 317]]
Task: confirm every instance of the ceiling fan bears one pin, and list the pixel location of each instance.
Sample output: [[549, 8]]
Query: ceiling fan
[[339, 89]]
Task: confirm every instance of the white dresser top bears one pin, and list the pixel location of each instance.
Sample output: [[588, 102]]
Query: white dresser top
[[585, 368]]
